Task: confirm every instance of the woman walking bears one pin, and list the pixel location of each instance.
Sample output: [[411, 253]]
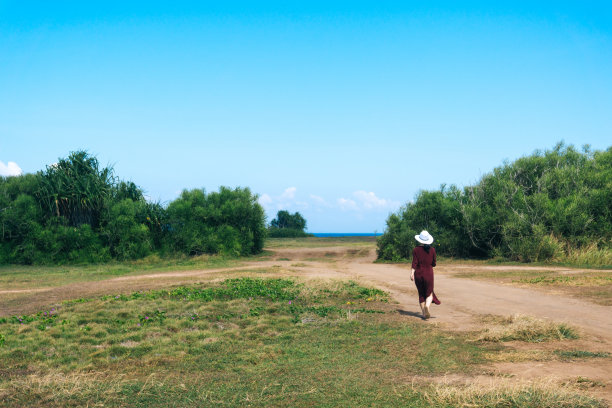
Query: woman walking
[[423, 261]]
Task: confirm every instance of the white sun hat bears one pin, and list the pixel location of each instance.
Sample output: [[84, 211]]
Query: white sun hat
[[424, 238]]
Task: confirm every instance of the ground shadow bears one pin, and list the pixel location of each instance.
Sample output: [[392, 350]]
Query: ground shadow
[[409, 313]]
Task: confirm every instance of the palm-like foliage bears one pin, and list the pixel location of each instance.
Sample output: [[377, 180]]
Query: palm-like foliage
[[76, 189]]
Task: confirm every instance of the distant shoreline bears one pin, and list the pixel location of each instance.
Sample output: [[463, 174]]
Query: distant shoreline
[[345, 234]]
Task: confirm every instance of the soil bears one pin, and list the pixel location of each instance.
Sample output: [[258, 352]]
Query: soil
[[463, 302]]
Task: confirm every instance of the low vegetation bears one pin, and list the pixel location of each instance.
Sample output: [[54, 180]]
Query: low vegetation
[[524, 328], [243, 342], [543, 395], [77, 212], [554, 206], [321, 242], [572, 355]]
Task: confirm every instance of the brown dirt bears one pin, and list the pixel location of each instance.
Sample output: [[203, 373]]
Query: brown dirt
[[463, 302]]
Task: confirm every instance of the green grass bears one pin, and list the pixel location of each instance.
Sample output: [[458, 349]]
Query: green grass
[[573, 280], [571, 355], [320, 242], [240, 342]]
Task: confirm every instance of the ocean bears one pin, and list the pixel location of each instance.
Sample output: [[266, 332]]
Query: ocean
[[345, 234]]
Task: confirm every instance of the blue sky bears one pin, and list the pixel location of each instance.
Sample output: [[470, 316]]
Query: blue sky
[[340, 110]]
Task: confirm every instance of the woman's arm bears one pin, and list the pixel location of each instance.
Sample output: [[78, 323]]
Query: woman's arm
[[415, 263]]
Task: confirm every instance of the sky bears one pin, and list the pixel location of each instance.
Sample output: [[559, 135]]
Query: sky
[[341, 110]]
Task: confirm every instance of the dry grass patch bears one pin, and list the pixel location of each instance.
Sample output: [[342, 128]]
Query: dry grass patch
[[523, 328], [320, 242], [590, 255], [585, 383], [542, 395], [508, 355]]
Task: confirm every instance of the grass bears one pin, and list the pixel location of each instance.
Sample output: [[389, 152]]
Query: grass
[[502, 354], [571, 355], [15, 277], [515, 396], [320, 242], [590, 279], [240, 342], [590, 255], [523, 328]]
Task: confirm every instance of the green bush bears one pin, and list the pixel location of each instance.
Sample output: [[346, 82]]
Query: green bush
[[541, 207], [77, 212], [228, 221], [125, 230]]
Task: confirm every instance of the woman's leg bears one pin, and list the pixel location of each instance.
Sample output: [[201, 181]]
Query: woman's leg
[[428, 300]]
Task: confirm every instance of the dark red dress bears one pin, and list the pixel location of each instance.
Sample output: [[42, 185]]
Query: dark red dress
[[423, 263]]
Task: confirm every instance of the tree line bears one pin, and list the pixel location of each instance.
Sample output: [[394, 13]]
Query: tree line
[[546, 206], [77, 211]]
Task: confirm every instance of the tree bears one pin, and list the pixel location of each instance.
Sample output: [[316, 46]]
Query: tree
[[287, 225], [76, 189], [284, 220]]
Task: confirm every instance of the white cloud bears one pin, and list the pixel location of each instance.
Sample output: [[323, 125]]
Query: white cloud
[[289, 193], [364, 201], [10, 169], [369, 200], [319, 200], [347, 204], [285, 201], [265, 200]]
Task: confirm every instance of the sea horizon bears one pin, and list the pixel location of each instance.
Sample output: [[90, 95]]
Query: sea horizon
[[345, 234]]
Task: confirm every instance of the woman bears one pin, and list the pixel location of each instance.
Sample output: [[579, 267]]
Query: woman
[[423, 261]]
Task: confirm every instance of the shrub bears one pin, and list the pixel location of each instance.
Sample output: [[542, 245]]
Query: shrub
[[125, 230], [75, 211], [543, 207], [228, 221]]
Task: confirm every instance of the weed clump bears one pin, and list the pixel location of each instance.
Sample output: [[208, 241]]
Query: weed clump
[[524, 328], [515, 396], [580, 354]]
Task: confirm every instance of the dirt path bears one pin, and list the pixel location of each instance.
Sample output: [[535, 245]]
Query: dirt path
[[463, 300]]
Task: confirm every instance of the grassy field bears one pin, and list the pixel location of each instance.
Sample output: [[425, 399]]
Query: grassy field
[[246, 342], [319, 242], [261, 338], [15, 277]]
